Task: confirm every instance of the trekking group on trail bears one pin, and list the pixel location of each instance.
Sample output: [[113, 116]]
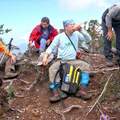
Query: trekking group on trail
[[68, 74]]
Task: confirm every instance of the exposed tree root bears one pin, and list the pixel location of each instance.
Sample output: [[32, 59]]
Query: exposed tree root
[[97, 101]]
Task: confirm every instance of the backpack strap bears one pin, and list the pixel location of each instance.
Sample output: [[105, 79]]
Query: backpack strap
[[78, 74], [71, 42]]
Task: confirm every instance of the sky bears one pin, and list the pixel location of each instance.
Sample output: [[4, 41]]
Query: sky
[[23, 15]]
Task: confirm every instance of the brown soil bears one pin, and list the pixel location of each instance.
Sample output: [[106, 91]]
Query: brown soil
[[35, 105]]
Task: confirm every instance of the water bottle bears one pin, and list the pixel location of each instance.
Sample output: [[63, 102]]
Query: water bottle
[[65, 85], [85, 78], [67, 78]]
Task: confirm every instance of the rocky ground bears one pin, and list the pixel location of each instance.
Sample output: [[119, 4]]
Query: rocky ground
[[34, 104]]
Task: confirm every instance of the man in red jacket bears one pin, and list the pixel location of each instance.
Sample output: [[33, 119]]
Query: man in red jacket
[[42, 35]]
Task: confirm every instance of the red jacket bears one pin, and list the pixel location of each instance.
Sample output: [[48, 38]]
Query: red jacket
[[37, 32]]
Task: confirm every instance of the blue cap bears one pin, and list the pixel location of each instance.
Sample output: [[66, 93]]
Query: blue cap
[[67, 22]]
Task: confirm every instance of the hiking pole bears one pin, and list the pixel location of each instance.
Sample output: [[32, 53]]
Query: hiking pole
[[10, 44]]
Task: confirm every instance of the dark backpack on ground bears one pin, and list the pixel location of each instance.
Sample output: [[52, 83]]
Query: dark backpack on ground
[[70, 78]]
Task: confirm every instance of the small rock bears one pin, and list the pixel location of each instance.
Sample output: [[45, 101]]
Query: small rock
[[17, 117], [35, 112]]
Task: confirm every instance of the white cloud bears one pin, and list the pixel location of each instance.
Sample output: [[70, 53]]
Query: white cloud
[[74, 5], [17, 38]]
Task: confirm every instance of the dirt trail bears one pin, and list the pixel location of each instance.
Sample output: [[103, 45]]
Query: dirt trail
[[34, 104]]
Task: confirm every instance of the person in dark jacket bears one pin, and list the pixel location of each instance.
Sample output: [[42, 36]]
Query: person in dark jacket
[[111, 20], [43, 34]]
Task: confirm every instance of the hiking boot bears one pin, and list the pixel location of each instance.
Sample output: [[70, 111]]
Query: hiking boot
[[117, 60], [109, 63], [10, 75], [56, 96], [83, 94]]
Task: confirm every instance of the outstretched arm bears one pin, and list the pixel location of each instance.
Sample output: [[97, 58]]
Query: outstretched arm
[[113, 12], [50, 49], [86, 35], [7, 52]]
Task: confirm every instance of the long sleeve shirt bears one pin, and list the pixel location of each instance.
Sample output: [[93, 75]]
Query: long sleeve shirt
[[65, 49], [84, 39], [113, 13], [37, 33], [3, 49]]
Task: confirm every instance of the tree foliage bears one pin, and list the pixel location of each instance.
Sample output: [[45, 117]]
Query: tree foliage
[[3, 30], [94, 29]]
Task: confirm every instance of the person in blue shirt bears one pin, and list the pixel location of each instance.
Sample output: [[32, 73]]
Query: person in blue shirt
[[66, 53]]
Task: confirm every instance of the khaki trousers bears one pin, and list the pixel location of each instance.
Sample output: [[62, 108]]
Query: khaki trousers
[[84, 66]]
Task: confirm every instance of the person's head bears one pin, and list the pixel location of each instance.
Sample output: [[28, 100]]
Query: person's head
[[45, 22], [69, 26]]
